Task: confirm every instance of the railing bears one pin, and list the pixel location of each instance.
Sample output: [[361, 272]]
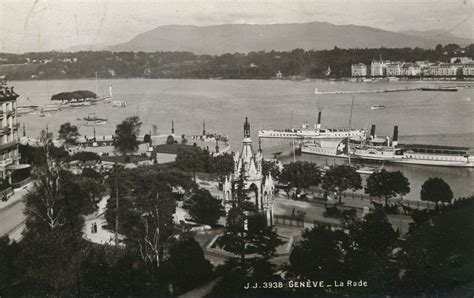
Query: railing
[[22, 182], [8, 113], [289, 220], [5, 194], [6, 162], [8, 145], [5, 130]]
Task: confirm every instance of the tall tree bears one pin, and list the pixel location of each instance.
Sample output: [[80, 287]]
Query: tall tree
[[436, 190], [191, 159], [301, 174], [319, 255], [340, 178], [204, 208], [438, 255], [126, 135], [271, 166], [68, 133], [187, 265], [387, 184]]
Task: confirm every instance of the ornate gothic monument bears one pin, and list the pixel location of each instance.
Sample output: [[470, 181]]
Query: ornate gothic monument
[[254, 181]]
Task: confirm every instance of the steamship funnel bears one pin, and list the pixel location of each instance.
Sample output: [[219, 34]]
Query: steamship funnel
[[372, 131], [318, 126], [395, 136]]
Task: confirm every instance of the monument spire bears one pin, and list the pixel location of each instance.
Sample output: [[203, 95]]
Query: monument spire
[[246, 128]]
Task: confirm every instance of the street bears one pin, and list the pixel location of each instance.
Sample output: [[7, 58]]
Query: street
[[11, 214]]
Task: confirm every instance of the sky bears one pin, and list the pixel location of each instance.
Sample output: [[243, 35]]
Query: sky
[[43, 25]]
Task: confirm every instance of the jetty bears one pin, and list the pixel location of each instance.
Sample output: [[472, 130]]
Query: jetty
[[406, 89]]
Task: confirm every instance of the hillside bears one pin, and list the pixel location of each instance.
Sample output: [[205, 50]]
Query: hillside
[[244, 38]]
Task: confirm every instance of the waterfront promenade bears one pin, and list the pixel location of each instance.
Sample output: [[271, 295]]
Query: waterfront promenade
[[11, 213]]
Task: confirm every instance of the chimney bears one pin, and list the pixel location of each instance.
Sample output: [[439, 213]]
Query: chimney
[[395, 136], [318, 126], [372, 131]]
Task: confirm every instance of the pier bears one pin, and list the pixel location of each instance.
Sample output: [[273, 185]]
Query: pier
[[406, 89]]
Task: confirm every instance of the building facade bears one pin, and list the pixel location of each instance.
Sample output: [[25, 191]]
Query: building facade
[[468, 69], [9, 155], [410, 69], [377, 68], [393, 69], [449, 69], [359, 70]]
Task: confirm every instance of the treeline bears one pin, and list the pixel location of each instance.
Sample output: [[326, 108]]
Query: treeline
[[253, 65]]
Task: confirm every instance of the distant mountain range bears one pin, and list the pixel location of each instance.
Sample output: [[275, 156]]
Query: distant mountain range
[[244, 38], [442, 36]]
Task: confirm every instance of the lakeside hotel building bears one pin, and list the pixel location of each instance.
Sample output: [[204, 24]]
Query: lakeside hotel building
[[9, 155]]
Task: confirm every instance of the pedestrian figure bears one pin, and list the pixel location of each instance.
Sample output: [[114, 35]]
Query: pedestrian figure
[[293, 212]]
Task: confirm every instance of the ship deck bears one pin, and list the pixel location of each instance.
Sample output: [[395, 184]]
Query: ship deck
[[436, 149]]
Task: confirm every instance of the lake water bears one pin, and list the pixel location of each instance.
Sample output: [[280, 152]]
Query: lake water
[[423, 117]]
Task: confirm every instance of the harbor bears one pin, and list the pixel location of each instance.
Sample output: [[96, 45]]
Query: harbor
[[423, 117]]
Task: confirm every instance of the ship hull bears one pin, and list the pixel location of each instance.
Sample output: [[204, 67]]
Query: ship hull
[[406, 158], [275, 134]]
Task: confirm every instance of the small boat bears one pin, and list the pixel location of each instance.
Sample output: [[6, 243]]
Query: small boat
[[51, 108], [96, 122], [119, 104], [365, 170], [26, 109], [92, 119], [377, 107]]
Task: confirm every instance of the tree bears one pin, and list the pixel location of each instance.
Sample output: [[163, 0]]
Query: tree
[[191, 159], [84, 156], [436, 190], [187, 265], [319, 255], [68, 133], [170, 140], [146, 211], [56, 201], [9, 271], [271, 166], [301, 174], [387, 184], [222, 164], [340, 178], [204, 208], [438, 255], [126, 135]]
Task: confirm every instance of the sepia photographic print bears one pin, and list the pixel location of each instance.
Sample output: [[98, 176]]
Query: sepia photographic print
[[236, 148]]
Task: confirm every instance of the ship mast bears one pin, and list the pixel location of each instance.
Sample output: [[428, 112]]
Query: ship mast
[[348, 139], [96, 86]]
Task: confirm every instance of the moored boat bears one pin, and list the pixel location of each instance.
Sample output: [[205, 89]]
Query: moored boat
[[92, 119], [119, 104], [388, 150], [377, 107], [308, 132]]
